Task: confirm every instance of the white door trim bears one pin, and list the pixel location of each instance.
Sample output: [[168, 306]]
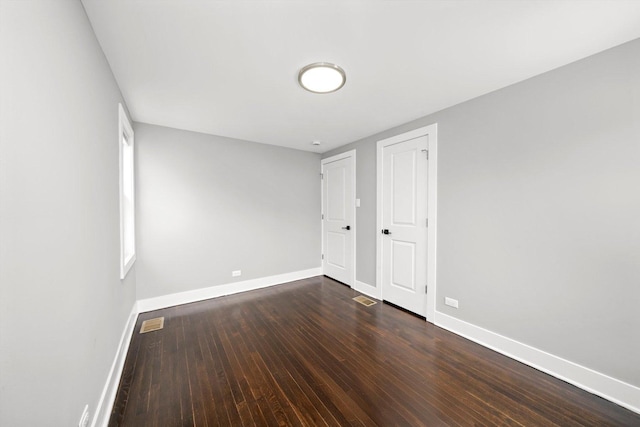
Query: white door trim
[[323, 162], [432, 132]]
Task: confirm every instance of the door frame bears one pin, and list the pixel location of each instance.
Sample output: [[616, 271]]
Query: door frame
[[347, 154], [431, 132]]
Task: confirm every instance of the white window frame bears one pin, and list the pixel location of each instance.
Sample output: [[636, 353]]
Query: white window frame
[[125, 136]]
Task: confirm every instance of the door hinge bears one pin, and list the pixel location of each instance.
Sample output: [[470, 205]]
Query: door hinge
[[426, 289], [321, 176], [426, 152], [322, 216], [427, 221], [322, 256]]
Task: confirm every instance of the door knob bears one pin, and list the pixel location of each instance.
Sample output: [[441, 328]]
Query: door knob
[[346, 228], [385, 231]]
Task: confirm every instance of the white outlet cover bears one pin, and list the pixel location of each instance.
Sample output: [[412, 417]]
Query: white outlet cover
[[357, 203], [451, 302]]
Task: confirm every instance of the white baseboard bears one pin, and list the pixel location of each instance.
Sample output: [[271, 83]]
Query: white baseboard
[[170, 300], [107, 399], [367, 289], [609, 388], [105, 404]]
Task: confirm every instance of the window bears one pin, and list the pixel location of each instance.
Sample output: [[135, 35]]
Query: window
[[127, 204]]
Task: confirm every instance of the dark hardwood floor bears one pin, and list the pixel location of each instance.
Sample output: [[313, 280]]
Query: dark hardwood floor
[[304, 353]]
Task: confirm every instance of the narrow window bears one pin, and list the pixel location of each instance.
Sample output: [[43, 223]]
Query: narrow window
[[127, 203]]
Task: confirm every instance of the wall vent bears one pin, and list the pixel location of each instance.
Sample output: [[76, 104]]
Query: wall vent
[[152, 325], [364, 300]]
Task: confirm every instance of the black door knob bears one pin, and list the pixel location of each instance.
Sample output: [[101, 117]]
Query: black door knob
[[385, 231], [347, 227]]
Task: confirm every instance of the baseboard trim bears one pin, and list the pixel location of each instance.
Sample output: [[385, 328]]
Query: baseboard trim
[[108, 397], [367, 289], [616, 391], [164, 301]]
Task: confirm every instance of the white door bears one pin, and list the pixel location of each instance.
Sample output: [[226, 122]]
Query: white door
[[404, 223], [338, 224]]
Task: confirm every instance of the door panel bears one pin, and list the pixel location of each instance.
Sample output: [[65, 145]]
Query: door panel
[[336, 249], [338, 222], [403, 194], [404, 214], [336, 186], [403, 260]]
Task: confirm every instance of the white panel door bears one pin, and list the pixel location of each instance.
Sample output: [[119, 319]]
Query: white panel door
[[338, 219], [404, 223]]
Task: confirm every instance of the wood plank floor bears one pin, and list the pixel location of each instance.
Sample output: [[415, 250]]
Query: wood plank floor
[[304, 353]]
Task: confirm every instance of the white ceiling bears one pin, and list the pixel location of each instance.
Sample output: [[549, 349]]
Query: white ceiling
[[230, 67]]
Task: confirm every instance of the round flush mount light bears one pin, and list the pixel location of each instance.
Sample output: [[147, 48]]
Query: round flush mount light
[[322, 77], [315, 143]]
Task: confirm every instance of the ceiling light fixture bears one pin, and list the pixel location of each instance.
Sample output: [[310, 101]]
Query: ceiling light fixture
[[322, 77], [315, 143]]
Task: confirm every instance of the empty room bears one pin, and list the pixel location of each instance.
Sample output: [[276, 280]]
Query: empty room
[[319, 213]]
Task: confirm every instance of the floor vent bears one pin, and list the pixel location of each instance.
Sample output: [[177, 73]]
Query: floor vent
[[152, 325], [364, 300]]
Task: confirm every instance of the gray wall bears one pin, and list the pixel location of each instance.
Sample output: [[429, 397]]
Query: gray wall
[[538, 207], [207, 205], [62, 305]]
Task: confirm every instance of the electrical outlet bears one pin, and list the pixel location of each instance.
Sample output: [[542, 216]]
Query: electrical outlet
[[236, 273], [84, 419], [451, 302]]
